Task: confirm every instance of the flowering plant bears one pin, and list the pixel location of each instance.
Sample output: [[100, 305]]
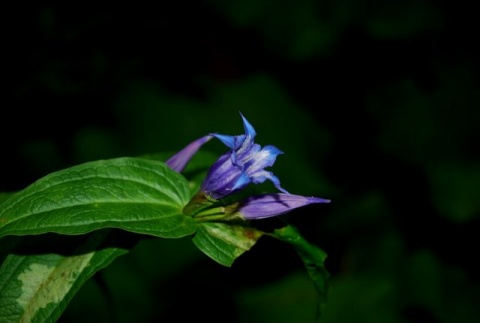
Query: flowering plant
[[98, 201]]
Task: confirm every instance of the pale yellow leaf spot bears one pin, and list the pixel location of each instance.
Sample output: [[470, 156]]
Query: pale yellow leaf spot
[[43, 285]]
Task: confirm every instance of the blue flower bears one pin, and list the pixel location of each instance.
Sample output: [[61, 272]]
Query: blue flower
[[244, 164]]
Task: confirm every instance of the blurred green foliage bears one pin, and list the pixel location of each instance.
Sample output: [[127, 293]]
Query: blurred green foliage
[[374, 104]]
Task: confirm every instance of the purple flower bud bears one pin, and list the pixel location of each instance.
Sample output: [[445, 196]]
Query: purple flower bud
[[269, 205], [178, 161]]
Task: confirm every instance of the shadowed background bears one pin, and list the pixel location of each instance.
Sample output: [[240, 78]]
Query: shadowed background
[[374, 105]]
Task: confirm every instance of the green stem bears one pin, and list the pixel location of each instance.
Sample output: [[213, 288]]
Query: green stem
[[212, 217], [313, 259]]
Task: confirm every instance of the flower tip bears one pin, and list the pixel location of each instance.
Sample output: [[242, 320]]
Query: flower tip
[[178, 161], [313, 199], [249, 130]]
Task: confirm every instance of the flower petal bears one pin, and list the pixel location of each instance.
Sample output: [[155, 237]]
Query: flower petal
[[260, 177], [249, 130], [229, 141], [261, 158]]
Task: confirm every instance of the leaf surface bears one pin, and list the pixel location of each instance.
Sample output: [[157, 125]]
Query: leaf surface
[[134, 194]]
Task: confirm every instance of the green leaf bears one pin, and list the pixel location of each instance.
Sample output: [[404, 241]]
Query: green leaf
[[225, 242], [5, 196], [134, 194], [313, 258], [38, 287]]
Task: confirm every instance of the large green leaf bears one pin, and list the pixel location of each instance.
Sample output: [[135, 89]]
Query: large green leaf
[[225, 242], [133, 194], [37, 287]]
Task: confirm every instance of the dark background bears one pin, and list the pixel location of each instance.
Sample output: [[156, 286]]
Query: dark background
[[374, 104]]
